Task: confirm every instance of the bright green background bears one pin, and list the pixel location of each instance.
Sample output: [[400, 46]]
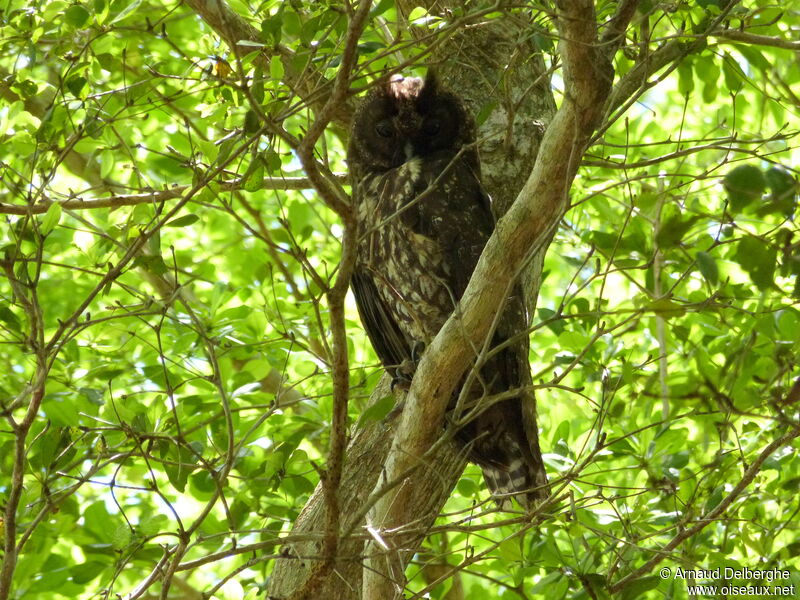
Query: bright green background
[[696, 180]]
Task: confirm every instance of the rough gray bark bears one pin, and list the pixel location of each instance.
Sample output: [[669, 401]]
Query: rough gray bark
[[492, 69]]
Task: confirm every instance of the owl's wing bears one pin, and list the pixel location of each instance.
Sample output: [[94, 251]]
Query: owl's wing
[[388, 341], [460, 219]]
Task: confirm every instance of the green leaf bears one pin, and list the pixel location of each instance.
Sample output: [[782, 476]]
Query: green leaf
[[25, 88], [76, 15], [107, 162], [152, 524], [181, 464], [685, 76], [183, 221], [744, 184], [486, 109], [271, 28], [709, 75], [61, 410], [758, 259], [202, 485], [121, 537], [51, 218], [93, 395], [272, 161], [378, 410], [780, 182], [276, 69], [93, 125], [381, 7], [56, 567], [714, 499], [678, 460], [783, 192], [754, 56], [252, 122], [673, 229], [370, 47], [76, 85], [151, 263], [557, 326], [127, 11], [10, 319], [85, 572], [733, 74], [562, 434], [253, 179], [419, 14], [258, 85], [467, 487], [606, 240], [638, 587], [708, 267]]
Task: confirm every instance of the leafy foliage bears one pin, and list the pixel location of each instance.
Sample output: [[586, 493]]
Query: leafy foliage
[[166, 356]]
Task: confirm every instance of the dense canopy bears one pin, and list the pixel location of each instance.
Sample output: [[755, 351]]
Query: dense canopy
[[181, 364]]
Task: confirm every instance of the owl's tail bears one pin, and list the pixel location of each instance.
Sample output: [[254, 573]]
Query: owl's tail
[[520, 477]]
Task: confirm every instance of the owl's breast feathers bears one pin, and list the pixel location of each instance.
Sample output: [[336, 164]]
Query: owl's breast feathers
[[422, 228]]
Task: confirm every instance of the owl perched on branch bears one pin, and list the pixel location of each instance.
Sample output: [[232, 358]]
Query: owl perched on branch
[[424, 219]]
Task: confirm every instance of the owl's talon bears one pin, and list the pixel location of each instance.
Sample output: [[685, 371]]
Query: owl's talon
[[403, 375], [416, 352], [400, 382]]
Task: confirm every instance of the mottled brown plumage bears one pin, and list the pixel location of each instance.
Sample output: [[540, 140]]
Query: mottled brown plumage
[[424, 219]]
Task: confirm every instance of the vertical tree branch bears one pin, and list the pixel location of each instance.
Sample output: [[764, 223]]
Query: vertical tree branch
[[25, 292], [332, 193]]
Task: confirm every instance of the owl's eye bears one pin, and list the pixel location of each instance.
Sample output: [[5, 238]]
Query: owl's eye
[[384, 128], [432, 126]]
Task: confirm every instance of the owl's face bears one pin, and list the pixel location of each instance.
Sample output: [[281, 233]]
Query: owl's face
[[407, 118]]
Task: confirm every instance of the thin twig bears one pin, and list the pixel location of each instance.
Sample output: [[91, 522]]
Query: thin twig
[[116, 201], [709, 517]]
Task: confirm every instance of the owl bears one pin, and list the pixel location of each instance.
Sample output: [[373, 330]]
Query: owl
[[424, 219]]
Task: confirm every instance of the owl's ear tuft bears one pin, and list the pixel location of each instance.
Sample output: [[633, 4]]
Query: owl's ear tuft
[[431, 81], [430, 91]]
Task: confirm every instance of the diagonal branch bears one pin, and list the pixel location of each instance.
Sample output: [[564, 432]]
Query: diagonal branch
[[745, 37], [636, 81], [709, 517], [617, 25], [154, 197], [335, 197]]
